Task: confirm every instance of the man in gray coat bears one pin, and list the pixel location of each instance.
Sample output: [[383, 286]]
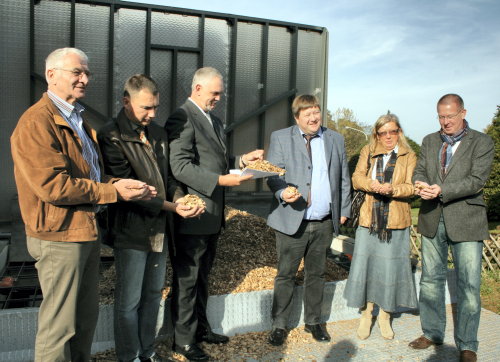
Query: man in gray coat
[[200, 161], [454, 165], [316, 165]]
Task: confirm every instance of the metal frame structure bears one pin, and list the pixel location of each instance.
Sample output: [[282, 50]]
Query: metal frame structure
[[103, 112]]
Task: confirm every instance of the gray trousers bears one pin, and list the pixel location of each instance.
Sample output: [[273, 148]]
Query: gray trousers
[[310, 242], [68, 274]]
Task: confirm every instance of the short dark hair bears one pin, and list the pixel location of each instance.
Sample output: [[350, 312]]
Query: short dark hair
[[304, 101], [137, 82], [451, 98]]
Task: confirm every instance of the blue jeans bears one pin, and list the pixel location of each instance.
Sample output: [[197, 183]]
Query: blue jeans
[[467, 262], [140, 276]]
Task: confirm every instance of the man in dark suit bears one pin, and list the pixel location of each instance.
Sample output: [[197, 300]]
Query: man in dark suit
[[316, 164], [200, 162], [454, 165]]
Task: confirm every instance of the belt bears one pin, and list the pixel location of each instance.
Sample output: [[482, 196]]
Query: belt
[[327, 217]]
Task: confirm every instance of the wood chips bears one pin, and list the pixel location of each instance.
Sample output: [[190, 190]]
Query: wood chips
[[263, 165], [245, 261]]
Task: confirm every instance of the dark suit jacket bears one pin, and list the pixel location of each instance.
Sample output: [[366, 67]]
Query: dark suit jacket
[[136, 224], [287, 150], [198, 155], [462, 202]]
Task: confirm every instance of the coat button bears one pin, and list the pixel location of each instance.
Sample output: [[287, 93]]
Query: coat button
[[308, 184]]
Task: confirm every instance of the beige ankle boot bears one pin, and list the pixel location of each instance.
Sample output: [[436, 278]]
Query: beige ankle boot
[[365, 322], [384, 323]]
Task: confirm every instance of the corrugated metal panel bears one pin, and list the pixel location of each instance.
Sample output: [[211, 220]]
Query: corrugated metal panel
[[161, 72], [92, 36], [15, 81], [187, 65], [216, 54], [52, 22], [249, 50], [245, 139], [174, 29], [310, 63], [278, 65], [130, 49]]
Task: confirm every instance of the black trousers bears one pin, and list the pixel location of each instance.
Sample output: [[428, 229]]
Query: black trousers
[[310, 242], [191, 265]]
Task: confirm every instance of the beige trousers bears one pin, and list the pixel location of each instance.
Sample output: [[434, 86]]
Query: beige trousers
[[68, 274]]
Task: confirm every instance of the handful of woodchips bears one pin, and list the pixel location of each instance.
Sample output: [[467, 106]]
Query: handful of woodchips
[[263, 165], [193, 201], [292, 190]]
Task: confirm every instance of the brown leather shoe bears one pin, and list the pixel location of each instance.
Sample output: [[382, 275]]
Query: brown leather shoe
[[468, 356], [422, 343]]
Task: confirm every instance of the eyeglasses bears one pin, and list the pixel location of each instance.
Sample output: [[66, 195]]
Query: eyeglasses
[[449, 117], [77, 72], [392, 132]]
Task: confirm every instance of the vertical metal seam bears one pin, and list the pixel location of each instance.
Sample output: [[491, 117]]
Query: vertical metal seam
[[32, 51], [173, 105], [72, 24], [147, 55], [263, 94], [232, 83], [111, 53], [325, 76], [201, 42], [293, 69]]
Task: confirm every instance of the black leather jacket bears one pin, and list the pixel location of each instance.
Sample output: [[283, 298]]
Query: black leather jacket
[[135, 225]]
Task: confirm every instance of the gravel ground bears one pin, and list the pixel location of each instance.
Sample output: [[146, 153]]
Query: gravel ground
[[246, 261]]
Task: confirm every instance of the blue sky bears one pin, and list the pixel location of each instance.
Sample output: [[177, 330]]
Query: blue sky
[[398, 55]]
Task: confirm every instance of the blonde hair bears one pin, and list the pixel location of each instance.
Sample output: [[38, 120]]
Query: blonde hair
[[382, 121], [304, 101]]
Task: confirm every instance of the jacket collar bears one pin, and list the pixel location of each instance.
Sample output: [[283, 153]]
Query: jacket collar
[[380, 150], [128, 129]]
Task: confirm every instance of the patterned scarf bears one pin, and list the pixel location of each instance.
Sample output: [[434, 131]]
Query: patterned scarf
[[446, 153], [380, 209]]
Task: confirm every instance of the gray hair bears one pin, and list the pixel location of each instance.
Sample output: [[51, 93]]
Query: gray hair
[[55, 59], [203, 75]]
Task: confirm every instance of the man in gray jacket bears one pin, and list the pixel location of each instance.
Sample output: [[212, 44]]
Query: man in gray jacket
[[316, 164], [454, 165]]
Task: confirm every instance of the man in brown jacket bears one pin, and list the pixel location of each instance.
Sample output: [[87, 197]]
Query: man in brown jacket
[[57, 169]]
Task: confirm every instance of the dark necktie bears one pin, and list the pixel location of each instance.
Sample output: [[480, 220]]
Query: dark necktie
[[308, 147], [308, 143]]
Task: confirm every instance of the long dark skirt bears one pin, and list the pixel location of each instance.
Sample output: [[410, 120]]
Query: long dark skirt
[[381, 272]]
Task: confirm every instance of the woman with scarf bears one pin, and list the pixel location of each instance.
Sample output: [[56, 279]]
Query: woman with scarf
[[381, 270]]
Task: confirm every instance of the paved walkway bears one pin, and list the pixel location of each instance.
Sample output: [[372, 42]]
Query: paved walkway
[[345, 345]]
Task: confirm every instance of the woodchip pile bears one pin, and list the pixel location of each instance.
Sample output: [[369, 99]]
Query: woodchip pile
[[245, 261]]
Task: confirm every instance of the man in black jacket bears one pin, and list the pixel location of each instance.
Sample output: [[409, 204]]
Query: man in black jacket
[[134, 146]]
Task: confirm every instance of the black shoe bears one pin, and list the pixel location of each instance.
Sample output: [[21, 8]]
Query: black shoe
[[318, 332], [277, 337], [192, 352], [212, 338]]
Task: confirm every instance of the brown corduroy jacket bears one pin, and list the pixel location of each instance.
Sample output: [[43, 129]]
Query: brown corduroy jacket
[[56, 195], [399, 208]]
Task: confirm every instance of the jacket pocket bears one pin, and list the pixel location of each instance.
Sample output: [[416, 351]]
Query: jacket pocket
[[476, 201]]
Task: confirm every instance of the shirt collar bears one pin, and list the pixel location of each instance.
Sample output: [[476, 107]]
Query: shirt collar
[[320, 132], [202, 111], [65, 107]]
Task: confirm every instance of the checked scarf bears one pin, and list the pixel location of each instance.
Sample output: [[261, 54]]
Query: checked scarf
[[446, 153], [380, 209]]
